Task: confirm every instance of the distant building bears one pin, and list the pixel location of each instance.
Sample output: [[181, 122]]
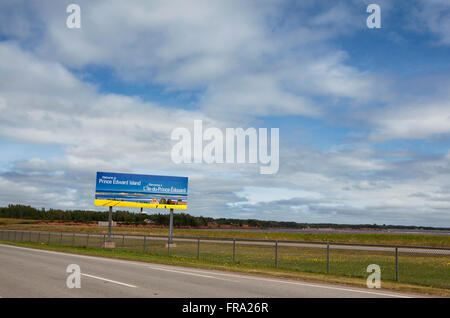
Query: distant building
[[181, 202], [106, 223]]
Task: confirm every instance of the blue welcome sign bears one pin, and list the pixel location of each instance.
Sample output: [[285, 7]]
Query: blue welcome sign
[[138, 190]]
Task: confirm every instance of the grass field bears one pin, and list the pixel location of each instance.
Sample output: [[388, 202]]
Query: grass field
[[11, 221], [368, 238]]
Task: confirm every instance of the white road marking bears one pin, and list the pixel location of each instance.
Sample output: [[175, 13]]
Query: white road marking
[[307, 284], [246, 277], [189, 273], [109, 280]]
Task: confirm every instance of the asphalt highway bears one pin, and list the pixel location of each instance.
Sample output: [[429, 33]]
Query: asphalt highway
[[27, 272]]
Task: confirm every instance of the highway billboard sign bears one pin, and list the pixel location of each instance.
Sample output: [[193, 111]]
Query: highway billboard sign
[[138, 190]]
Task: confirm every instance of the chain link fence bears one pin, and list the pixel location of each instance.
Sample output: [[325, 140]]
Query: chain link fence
[[421, 265]]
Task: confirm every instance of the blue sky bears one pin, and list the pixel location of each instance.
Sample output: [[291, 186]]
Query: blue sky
[[364, 114]]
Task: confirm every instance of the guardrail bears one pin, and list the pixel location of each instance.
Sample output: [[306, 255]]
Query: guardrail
[[422, 265]]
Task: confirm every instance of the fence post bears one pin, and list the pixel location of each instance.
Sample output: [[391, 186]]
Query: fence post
[[21, 237], [15, 233], [198, 248], [276, 253], [328, 258], [234, 251], [396, 264], [168, 246], [60, 238], [145, 239], [73, 239], [104, 239], [87, 241], [39, 237], [49, 234], [123, 240]]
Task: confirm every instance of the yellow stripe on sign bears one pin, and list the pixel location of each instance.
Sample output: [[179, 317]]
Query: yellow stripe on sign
[[138, 204]]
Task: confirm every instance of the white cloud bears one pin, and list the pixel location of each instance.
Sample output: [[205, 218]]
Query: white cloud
[[434, 16], [243, 66], [255, 195], [419, 120], [243, 54]]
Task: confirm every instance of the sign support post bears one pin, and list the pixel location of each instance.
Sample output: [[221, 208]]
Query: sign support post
[[109, 243], [171, 226], [109, 223]]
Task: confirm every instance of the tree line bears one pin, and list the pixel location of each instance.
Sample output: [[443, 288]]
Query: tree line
[[85, 216], [180, 219]]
